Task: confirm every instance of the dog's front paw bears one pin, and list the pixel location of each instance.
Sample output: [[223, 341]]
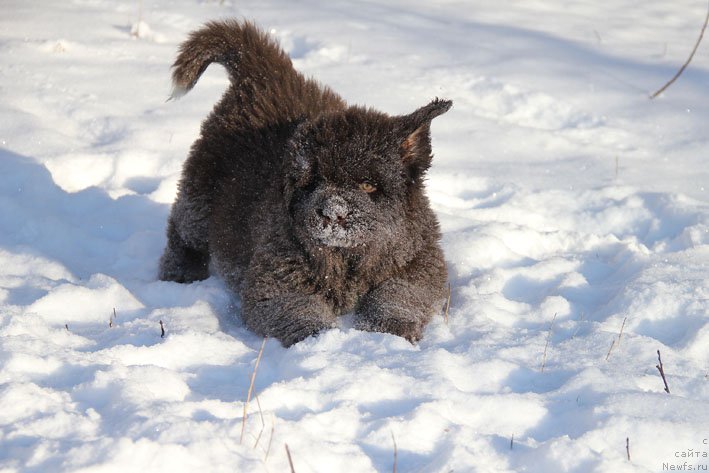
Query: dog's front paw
[[397, 307], [290, 318], [181, 264], [409, 326], [295, 333]]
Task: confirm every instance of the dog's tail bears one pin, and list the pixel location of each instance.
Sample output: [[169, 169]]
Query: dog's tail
[[244, 50]]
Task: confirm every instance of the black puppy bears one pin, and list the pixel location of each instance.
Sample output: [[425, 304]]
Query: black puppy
[[307, 207]]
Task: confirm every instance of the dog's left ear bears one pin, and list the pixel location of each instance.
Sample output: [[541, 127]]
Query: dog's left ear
[[415, 136]]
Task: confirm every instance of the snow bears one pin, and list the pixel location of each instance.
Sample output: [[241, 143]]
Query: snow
[[575, 213]]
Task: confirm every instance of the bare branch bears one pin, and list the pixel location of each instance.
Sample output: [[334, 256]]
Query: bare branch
[[661, 369]]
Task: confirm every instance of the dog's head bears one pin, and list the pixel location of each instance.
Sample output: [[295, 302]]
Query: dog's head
[[350, 175]]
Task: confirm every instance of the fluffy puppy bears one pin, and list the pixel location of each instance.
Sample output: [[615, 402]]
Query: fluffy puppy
[[307, 207]]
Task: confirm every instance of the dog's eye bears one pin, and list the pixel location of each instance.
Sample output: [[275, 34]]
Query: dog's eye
[[367, 187]]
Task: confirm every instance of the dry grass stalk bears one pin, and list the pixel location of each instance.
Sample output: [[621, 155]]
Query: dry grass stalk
[[251, 388], [290, 460], [610, 349], [578, 324], [270, 439], [162, 330], [689, 59], [140, 19], [263, 423], [661, 369], [512, 442], [616, 343], [113, 317], [546, 346], [620, 334], [396, 452], [448, 304]]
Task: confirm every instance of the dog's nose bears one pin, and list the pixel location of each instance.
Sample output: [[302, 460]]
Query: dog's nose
[[335, 210]]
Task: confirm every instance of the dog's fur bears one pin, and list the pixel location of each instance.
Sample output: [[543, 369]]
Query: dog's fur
[[307, 207]]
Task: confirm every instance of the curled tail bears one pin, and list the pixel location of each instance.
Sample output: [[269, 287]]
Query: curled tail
[[243, 49]]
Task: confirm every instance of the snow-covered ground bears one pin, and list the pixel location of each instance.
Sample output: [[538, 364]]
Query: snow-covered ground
[[573, 208]]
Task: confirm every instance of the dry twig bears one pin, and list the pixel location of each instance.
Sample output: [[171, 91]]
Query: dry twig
[[689, 59], [661, 369], [627, 447], [251, 388], [162, 330], [448, 304]]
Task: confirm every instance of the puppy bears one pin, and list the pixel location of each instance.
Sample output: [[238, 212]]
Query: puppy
[[307, 207]]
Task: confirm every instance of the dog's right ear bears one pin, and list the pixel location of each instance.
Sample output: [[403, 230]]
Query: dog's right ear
[[415, 136]]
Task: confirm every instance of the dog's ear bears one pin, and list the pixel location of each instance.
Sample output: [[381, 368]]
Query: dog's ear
[[415, 137]]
